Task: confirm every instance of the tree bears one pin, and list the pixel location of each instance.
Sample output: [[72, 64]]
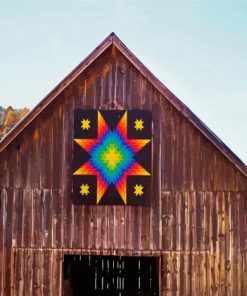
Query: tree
[[10, 118]]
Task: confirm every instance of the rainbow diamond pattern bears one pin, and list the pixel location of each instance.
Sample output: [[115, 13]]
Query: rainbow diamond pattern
[[111, 153]]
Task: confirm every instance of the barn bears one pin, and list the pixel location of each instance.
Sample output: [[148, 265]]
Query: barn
[[176, 224]]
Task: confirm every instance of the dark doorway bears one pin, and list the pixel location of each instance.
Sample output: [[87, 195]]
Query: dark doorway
[[110, 276]]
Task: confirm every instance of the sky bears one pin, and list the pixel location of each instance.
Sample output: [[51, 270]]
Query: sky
[[198, 49]]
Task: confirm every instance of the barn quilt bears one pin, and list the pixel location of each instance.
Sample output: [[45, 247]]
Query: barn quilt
[[112, 157]]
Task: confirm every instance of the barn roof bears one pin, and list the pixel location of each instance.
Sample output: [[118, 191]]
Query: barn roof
[[112, 39]]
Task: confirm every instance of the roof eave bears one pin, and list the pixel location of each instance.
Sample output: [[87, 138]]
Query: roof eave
[[178, 104], [15, 131], [181, 107]]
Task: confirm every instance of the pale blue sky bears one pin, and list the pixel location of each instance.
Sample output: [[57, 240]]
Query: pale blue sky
[[198, 49]]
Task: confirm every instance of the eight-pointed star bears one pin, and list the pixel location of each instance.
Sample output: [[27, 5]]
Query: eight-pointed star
[[108, 144], [85, 124]]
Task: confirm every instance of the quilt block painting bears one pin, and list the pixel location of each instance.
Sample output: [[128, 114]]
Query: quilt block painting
[[112, 157]]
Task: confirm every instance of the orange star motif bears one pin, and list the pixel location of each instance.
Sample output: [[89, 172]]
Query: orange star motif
[[112, 157]]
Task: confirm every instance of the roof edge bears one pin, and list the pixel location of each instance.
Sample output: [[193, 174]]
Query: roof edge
[[177, 103], [14, 132], [181, 107]]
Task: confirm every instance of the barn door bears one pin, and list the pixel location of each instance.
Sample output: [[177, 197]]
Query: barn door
[[110, 276]]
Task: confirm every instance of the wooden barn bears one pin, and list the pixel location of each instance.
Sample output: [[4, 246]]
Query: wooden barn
[[178, 223]]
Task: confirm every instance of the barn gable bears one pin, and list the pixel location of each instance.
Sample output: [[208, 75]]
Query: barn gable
[[113, 41], [195, 226]]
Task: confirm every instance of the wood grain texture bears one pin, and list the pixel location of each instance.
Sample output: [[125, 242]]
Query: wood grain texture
[[197, 222]]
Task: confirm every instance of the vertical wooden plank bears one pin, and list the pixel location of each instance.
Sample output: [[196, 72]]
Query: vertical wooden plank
[[87, 223], [114, 75], [136, 229], [129, 78], [27, 223], [111, 227], [15, 218], [166, 156], [28, 272], [13, 271], [244, 257], [145, 238], [3, 206], [77, 212], [120, 81], [187, 222], [194, 283], [4, 172], [209, 241], [129, 229], [56, 282], [156, 174], [166, 221], [166, 275], [66, 169], [200, 221], [38, 217], [178, 152], [57, 219], [104, 229], [193, 221], [227, 245], [36, 159], [222, 243], [178, 220], [19, 272], [175, 273], [106, 82], [189, 158], [57, 138], [129, 213], [46, 146], [184, 274], [8, 241], [24, 159], [231, 241], [146, 95], [207, 220], [47, 218], [37, 273], [174, 222], [120, 224], [237, 259], [183, 237], [76, 227], [96, 220], [47, 272], [136, 91]]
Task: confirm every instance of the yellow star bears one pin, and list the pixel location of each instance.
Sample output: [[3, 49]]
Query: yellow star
[[85, 124], [84, 189], [138, 190], [139, 124]]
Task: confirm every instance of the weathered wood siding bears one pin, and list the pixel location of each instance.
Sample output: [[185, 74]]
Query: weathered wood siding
[[197, 222]]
